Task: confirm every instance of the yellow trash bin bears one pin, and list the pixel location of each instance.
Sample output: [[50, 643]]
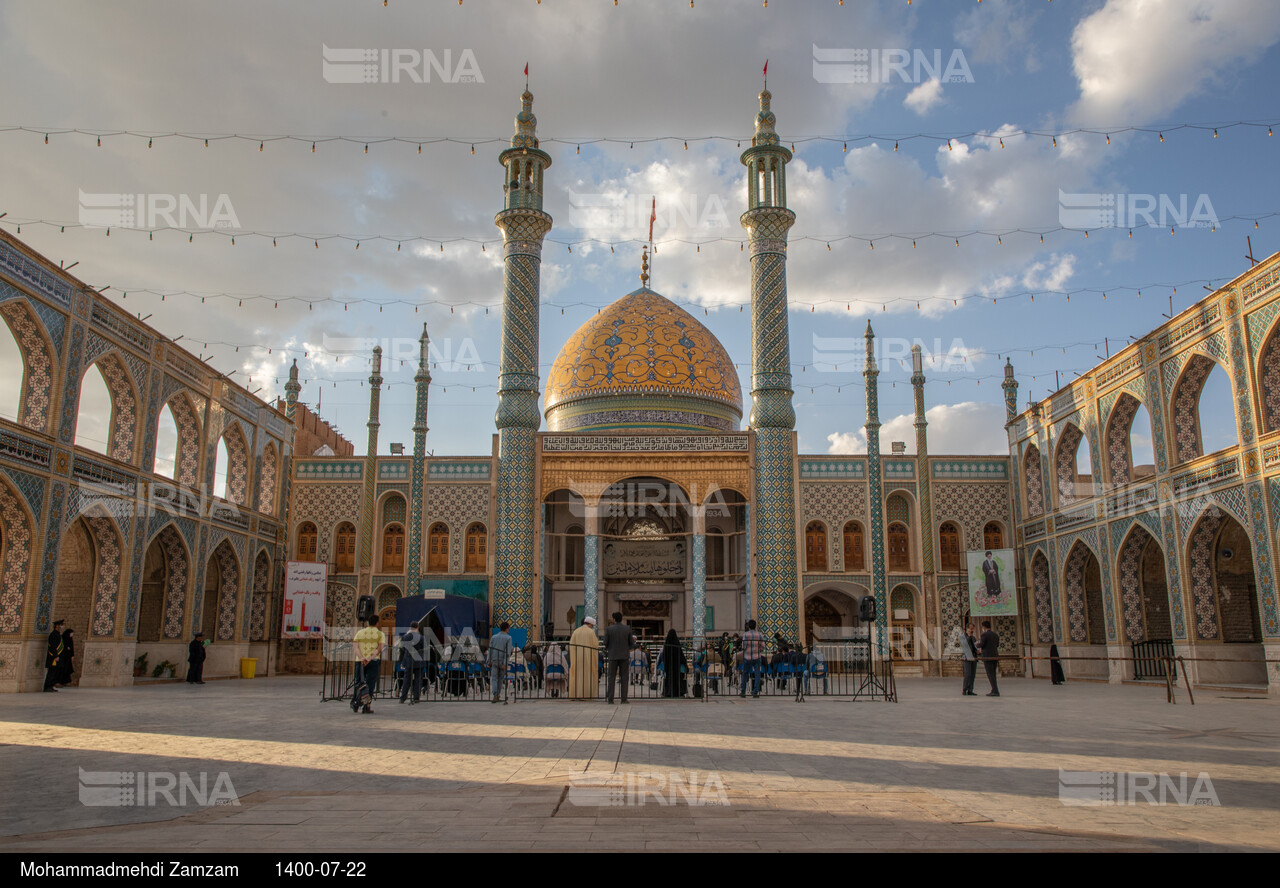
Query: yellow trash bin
[[248, 666]]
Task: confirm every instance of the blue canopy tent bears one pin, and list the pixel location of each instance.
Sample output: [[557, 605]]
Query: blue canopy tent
[[453, 615]]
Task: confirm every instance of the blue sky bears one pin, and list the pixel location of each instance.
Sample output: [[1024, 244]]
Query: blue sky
[[640, 71]]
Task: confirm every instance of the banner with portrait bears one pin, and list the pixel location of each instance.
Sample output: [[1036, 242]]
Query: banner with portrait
[[992, 583]]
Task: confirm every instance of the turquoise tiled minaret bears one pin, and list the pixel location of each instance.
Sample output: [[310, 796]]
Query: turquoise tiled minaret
[[773, 418], [1010, 386], [291, 389], [523, 225], [922, 459], [871, 374], [422, 379], [370, 475]]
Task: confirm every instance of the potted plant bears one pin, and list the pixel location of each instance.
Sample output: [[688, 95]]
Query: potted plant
[[165, 669], [140, 666]]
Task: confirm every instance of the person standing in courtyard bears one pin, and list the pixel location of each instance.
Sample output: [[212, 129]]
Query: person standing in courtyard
[[752, 659], [675, 681], [617, 645], [989, 645], [584, 651], [413, 656], [499, 653], [67, 662], [195, 659], [969, 651], [368, 643], [52, 657]]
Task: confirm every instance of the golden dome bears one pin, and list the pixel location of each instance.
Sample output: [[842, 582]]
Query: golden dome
[[643, 362]]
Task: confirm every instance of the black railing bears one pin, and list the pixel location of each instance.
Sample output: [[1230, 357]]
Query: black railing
[[1153, 659], [562, 671]]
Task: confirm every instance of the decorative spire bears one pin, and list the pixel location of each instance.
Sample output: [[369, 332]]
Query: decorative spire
[[526, 135], [1010, 386], [644, 267], [765, 122], [291, 389]]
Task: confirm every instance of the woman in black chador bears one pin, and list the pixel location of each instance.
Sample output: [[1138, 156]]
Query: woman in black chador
[[1055, 667], [66, 664], [674, 683]]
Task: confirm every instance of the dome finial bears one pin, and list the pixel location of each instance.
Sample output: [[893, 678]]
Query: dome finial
[[526, 134], [765, 121], [644, 267]]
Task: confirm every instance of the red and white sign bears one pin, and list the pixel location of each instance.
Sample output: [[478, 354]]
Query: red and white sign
[[304, 588]]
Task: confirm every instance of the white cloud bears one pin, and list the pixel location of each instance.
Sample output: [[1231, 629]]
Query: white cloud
[[1136, 60], [924, 96], [967, 428]]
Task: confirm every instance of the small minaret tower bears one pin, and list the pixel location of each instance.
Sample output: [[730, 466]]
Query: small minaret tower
[[922, 467], [524, 225], [773, 417], [871, 374], [291, 390], [1010, 387], [422, 379], [365, 581]]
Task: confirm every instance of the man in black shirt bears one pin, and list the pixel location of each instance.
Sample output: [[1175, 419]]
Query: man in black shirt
[[989, 651]]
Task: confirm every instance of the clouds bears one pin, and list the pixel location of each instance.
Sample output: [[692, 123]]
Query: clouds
[[970, 428], [924, 96], [1136, 60]]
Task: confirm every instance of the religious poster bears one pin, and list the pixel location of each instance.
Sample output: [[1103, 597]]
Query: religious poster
[[644, 559], [304, 588], [992, 587]]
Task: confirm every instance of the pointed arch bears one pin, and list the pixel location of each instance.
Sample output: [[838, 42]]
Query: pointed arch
[[1187, 392], [438, 548], [222, 593], [166, 571], [1082, 580], [1043, 597], [261, 589], [16, 525], [36, 391], [1223, 586], [1269, 380], [267, 479], [854, 547], [393, 548], [1144, 589], [1118, 443], [344, 548], [122, 426], [993, 535], [477, 560], [949, 547], [1034, 481], [186, 458], [308, 539], [108, 542], [1071, 482], [237, 467]]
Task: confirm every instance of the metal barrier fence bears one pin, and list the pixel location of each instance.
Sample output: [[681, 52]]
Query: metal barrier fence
[[1150, 659], [652, 671]]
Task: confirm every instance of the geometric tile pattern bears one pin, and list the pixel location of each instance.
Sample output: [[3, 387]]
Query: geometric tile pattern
[[1269, 383], [228, 586], [458, 506], [1203, 585], [187, 468], [1186, 401], [15, 543], [37, 362], [775, 536], [1077, 615], [1244, 400], [835, 504], [124, 407], [1040, 590], [591, 577], [267, 480], [973, 506], [1118, 428], [1262, 561], [393, 509], [237, 465], [261, 579], [52, 534], [1068, 443], [177, 566], [1131, 591], [1035, 483], [699, 585], [324, 505], [106, 586]]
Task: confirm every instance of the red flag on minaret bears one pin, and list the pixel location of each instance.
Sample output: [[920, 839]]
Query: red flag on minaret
[[653, 217], [526, 73], [766, 69]]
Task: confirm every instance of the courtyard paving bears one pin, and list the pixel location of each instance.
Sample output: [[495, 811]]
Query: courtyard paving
[[935, 771]]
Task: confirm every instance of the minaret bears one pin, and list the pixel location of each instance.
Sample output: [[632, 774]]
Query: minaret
[[523, 225], [365, 580], [871, 374], [1010, 386], [922, 462], [773, 418], [291, 389], [423, 381]]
